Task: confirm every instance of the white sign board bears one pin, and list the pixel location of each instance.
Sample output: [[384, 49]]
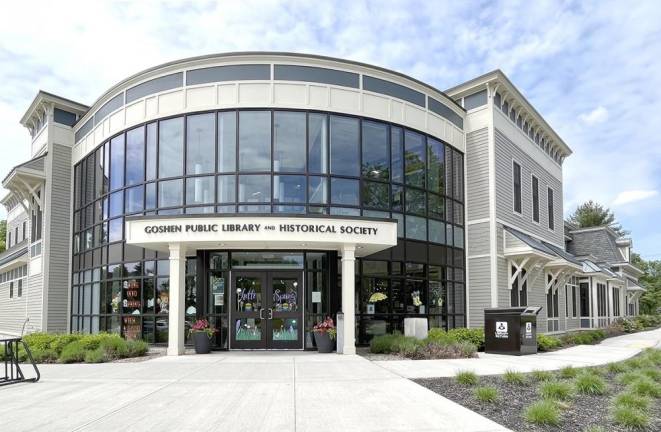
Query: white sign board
[[501, 330]]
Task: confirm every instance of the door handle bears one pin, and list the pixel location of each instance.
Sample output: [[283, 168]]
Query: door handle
[[270, 313], [261, 317]]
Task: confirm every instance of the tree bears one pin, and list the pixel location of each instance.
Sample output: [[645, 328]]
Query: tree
[[3, 235], [592, 214], [650, 301]]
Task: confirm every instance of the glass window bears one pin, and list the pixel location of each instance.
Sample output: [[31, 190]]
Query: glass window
[[550, 209], [116, 204], [344, 140], [289, 141], [150, 196], [226, 189], [397, 154], [170, 147], [436, 231], [170, 193], [344, 191], [376, 154], [318, 190], [116, 163], [200, 190], [397, 197], [227, 141], [115, 230], [415, 201], [516, 179], [254, 141], [535, 199], [200, 144], [435, 159], [289, 188], [254, 188], [436, 206], [151, 151], [375, 194], [318, 143], [134, 199], [135, 156], [415, 157], [416, 228]]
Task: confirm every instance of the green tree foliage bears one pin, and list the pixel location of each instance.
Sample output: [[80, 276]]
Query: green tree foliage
[[3, 235], [650, 302], [592, 214]]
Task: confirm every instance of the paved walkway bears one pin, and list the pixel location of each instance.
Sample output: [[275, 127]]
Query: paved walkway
[[235, 391], [608, 351]]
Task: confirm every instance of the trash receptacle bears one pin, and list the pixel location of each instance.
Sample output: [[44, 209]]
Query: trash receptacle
[[511, 331]]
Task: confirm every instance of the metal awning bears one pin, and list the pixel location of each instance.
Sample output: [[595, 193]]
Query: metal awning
[[24, 182]]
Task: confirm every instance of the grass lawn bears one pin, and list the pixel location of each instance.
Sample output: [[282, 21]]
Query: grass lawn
[[619, 397]]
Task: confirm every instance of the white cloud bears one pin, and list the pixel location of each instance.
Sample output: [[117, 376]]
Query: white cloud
[[631, 196], [597, 115]]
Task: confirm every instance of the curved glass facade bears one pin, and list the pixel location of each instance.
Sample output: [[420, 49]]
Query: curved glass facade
[[269, 162]]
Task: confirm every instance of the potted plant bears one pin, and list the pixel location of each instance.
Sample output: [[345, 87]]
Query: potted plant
[[202, 333], [325, 334]]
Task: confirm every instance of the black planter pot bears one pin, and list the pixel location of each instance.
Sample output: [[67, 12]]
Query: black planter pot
[[202, 343], [324, 342]]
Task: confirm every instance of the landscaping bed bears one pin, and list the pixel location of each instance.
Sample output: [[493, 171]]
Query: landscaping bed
[[622, 396]]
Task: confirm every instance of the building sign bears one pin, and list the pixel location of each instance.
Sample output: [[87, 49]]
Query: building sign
[[528, 330], [501, 330], [256, 228]]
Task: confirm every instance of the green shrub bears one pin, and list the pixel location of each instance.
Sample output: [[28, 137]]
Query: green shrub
[[645, 386], [114, 348], [639, 363], [631, 418], [591, 384], [629, 377], [587, 337], [486, 394], [72, 353], [438, 350], [647, 321], [543, 412], [466, 378], [548, 343], [541, 375], [632, 400], [651, 372], [136, 348], [44, 355], [555, 390], [394, 343], [438, 335], [474, 336], [95, 356], [513, 377], [616, 368], [568, 372], [653, 355]]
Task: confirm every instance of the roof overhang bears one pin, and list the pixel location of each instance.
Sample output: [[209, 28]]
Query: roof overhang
[[43, 100], [24, 181], [192, 232], [14, 258]]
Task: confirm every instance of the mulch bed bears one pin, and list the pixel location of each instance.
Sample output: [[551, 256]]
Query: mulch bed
[[583, 411]]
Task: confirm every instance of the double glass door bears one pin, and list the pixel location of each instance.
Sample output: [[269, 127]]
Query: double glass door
[[266, 310]]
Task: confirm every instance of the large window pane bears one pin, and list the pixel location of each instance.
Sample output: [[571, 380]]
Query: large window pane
[[344, 146], [375, 194], [344, 191], [436, 231], [416, 228], [254, 141], [200, 144], [318, 190], [116, 163], [170, 193], [200, 190], [115, 228], [376, 154], [227, 141], [318, 143], [254, 188], [226, 189], [435, 160], [135, 156], [116, 204], [289, 189], [415, 155], [415, 201], [134, 199], [436, 206], [397, 154], [170, 147], [289, 141], [151, 151]]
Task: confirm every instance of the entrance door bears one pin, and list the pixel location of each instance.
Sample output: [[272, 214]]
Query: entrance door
[[267, 312]]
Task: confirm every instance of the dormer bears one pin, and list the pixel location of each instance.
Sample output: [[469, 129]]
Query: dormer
[[50, 110], [624, 245]]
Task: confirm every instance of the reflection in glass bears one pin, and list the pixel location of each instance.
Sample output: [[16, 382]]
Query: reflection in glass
[[162, 296], [416, 228], [254, 141], [318, 143], [254, 188], [226, 189], [397, 154], [116, 204], [289, 142], [134, 199], [344, 191], [115, 229], [376, 153], [170, 193], [375, 194], [151, 151], [415, 159], [436, 171], [170, 147], [200, 190], [248, 329], [116, 163], [200, 143], [344, 142], [415, 201], [284, 329], [135, 156], [289, 188], [318, 190], [226, 141]]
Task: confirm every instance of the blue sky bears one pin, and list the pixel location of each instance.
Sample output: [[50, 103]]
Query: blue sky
[[592, 69]]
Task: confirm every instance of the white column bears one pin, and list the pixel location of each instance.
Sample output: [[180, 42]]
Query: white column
[[177, 305], [348, 299], [595, 303], [609, 293]]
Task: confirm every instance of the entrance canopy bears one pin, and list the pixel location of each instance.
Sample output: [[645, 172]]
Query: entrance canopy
[[192, 232]]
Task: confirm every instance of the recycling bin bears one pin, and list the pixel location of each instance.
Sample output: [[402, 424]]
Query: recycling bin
[[511, 331]]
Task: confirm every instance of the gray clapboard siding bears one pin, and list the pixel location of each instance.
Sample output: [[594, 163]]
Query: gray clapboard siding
[[506, 151], [12, 310], [58, 243], [477, 174], [479, 292], [35, 302], [478, 239]]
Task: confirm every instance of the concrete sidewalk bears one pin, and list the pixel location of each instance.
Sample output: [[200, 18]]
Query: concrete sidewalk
[[232, 391], [608, 351]]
